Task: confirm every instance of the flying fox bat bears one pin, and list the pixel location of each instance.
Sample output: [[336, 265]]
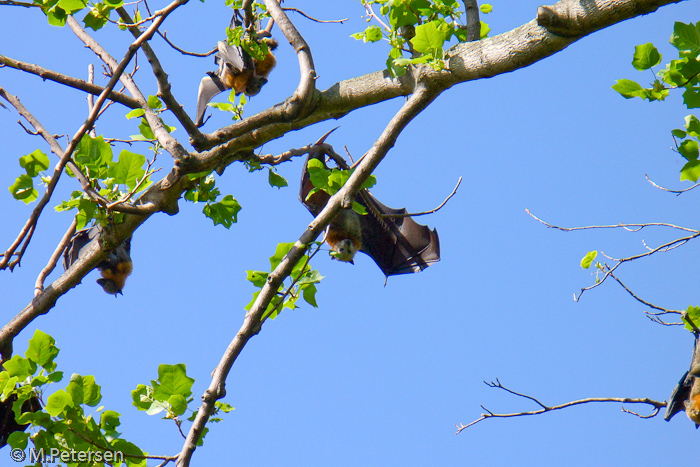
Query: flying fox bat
[[115, 268], [8, 423], [686, 394], [398, 245], [238, 71]]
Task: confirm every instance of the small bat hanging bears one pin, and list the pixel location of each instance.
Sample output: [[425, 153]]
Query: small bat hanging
[[237, 70], [686, 395], [398, 245], [115, 268]]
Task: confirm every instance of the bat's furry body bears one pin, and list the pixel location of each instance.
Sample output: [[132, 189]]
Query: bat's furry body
[[8, 424], [237, 71], [398, 245], [115, 268]]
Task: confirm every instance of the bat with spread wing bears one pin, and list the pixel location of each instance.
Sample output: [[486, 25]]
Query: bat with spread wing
[[237, 70], [399, 245], [686, 394], [115, 268]]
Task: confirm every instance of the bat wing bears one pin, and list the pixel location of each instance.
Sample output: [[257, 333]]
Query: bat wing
[[8, 424], [399, 245], [318, 200], [230, 60], [681, 393], [77, 244]]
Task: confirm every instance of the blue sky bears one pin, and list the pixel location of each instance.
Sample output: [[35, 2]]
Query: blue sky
[[380, 375]]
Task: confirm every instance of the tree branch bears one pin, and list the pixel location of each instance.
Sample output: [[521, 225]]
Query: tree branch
[[473, 21], [76, 83], [626, 400]]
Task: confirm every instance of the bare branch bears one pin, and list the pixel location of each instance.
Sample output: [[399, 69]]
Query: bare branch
[[39, 285], [650, 305], [184, 52], [14, 3], [625, 400], [628, 227], [677, 192], [297, 10], [68, 81], [432, 210]]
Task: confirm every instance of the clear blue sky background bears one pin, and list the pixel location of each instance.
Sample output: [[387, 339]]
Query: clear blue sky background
[[380, 375]]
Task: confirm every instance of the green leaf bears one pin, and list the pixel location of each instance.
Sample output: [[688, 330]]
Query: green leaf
[[83, 390], [154, 102], [42, 350], [645, 56], [485, 29], [693, 315], [129, 169], [19, 366], [224, 212], [486, 8], [372, 34], [34, 163], [429, 38], [135, 113], [178, 404], [71, 6], [692, 124], [23, 189], [173, 380], [628, 88], [678, 133], [309, 294], [686, 37], [141, 396], [109, 420], [98, 16], [258, 278], [280, 252], [58, 402], [18, 440], [689, 149], [588, 259], [691, 98], [691, 171], [275, 179]]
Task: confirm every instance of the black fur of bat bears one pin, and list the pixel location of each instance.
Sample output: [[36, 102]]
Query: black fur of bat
[[398, 245], [686, 395], [8, 424], [237, 70], [115, 268]]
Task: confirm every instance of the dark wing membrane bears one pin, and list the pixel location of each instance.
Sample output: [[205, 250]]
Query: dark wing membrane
[[76, 245], [676, 403], [319, 199], [8, 424], [399, 245]]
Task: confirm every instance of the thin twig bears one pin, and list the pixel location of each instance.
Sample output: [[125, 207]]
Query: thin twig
[[131, 193], [628, 227], [677, 192], [296, 10], [657, 405], [372, 14], [426, 212], [650, 305], [184, 52], [39, 284]]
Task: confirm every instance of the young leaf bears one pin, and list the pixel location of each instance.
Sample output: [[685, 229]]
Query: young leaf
[[693, 315], [588, 259], [628, 88], [275, 179], [645, 56], [42, 350], [34, 163], [224, 212]]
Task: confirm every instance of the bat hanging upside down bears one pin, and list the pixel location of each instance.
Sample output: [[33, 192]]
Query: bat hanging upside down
[[398, 245], [115, 268], [238, 71], [686, 394]]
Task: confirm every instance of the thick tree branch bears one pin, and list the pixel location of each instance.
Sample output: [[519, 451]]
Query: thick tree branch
[[253, 318], [68, 81], [473, 22], [544, 408]]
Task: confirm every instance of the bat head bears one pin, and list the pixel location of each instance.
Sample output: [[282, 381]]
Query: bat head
[[344, 250], [110, 287], [254, 85]]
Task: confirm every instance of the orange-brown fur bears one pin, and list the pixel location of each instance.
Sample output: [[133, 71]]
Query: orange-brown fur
[[116, 275], [239, 79], [344, 228]]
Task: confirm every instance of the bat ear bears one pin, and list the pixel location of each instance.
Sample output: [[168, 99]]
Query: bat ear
[[351, 262]]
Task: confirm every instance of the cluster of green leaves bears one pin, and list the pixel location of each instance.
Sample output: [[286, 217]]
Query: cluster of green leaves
[[427, 24], [332, 180], [172, 393], [682, 73], [223, 212], [57, 11], [63, 423], [303, 283], [113, 179], [693, 316], [34, 164]]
